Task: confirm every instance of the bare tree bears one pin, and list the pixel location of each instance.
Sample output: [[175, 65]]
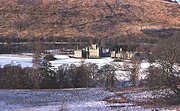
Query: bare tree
[[131, 71], [107, 73], [164, 70], [82, 76], [65, 75], [134, 70], [93, 73], [36, 63], [14, 76]]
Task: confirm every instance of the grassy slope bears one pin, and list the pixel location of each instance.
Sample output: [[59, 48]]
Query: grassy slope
[[89, 18]]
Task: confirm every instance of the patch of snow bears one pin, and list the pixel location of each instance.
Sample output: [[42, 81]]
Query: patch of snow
[[24, 61]]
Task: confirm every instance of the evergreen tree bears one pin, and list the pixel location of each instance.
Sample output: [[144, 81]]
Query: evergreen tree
[[47, 75]]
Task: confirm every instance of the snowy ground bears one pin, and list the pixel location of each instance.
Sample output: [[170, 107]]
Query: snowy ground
[[137, 99], [26, 60], [63, 59], [87, 99], [54, 100], [23, 60]]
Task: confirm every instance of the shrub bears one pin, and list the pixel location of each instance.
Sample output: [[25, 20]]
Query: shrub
[[49, 58]]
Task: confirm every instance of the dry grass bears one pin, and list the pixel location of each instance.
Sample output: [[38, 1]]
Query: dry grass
[[90, 18]]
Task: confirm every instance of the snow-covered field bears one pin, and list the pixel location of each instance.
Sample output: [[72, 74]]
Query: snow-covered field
[[26, 60], [54, 100], [82, 99], [23, 60], [90, 99], [63, 59]]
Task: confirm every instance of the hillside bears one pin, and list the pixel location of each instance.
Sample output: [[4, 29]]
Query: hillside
[[88, 18]]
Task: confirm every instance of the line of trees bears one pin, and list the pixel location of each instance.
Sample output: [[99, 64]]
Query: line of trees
[[66, 76], [15, 77]]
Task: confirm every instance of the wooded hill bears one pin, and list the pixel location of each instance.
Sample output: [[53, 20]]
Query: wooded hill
[[123, 20]]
